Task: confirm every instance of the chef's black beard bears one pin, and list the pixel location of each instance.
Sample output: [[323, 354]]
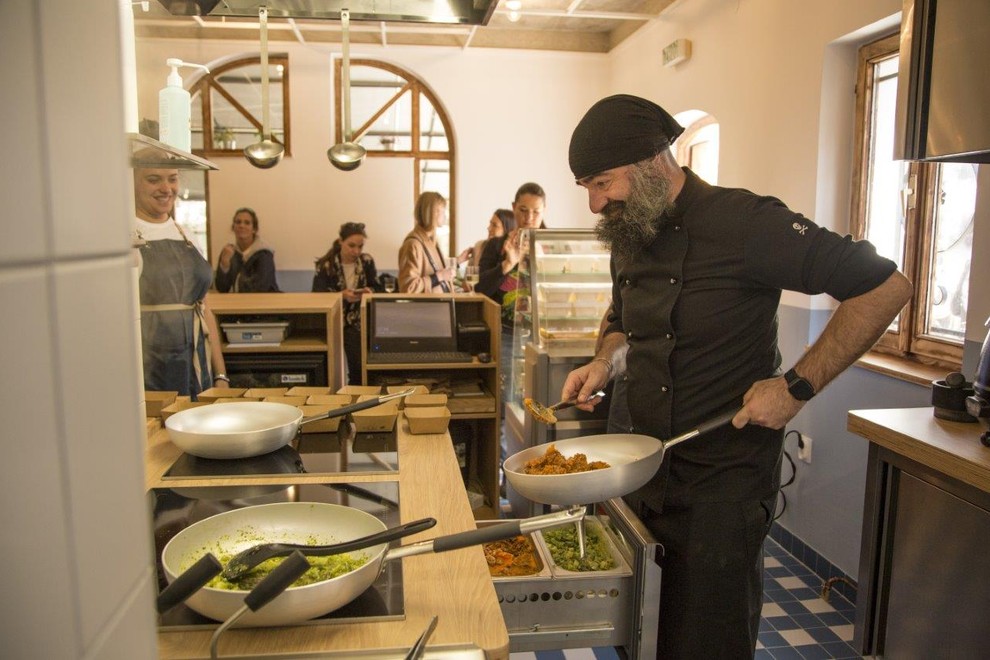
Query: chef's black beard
[[627, 227]]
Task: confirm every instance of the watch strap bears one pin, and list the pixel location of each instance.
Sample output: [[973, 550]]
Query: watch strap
[[799, 388]]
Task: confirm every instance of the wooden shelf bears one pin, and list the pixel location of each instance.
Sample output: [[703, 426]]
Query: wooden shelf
[[295, 344], [485, 449]]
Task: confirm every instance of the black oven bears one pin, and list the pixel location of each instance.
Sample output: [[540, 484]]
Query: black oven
[[276, 369]]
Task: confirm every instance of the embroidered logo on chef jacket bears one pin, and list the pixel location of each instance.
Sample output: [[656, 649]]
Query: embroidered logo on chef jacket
[[799, 228]]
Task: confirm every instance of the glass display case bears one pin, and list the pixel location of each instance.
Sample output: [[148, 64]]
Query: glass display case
[[565, 288]]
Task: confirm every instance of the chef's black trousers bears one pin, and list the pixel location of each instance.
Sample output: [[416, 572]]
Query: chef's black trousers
[[711, 590]]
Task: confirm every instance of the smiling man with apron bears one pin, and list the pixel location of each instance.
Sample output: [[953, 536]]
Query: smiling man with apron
[[175, 323]]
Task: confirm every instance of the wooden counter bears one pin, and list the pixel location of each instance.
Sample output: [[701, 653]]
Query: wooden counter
[[926, 527], [951, 448], [455, 586]]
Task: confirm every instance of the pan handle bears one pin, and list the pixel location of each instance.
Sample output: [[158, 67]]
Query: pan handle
[[487, 534], [703, 428], [355, 407], [189, 582]]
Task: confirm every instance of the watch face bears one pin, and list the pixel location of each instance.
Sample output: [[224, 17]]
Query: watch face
[[799, 388]]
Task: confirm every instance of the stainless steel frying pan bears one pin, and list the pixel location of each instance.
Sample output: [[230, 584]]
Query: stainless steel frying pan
[[634, 459], [249, 428], [307, 522]]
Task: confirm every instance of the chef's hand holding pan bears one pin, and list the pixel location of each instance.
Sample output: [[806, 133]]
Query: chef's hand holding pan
[[768, 403]]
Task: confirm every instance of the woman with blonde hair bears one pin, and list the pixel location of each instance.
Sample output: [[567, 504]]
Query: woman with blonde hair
[[422, 266]]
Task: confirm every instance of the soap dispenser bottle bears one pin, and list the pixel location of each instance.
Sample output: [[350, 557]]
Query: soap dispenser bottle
[[174, 127]]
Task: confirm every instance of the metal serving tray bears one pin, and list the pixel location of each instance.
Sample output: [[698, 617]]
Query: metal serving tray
[[557, 609]]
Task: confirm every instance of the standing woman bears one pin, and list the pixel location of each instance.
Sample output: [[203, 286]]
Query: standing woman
[[248, 266], [347, 269], [175, 322], [422, 268]]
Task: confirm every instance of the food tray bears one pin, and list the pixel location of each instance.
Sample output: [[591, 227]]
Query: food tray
[[544, 569], [552, 611], [592, 526], [256, 333]]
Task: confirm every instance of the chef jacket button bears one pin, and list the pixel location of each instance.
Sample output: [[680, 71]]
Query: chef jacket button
[[629, 334], [632, 429], [628, 283], [670, 335], [664, 388], [625, 377], [677, 227], [673, 280]]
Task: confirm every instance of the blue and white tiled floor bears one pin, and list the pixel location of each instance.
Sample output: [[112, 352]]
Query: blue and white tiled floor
[[797, 623]]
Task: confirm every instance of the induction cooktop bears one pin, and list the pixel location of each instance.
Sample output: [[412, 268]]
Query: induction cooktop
[[174, 509]]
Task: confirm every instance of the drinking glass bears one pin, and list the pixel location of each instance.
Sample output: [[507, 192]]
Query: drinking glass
[[388, 283], [471, 276]]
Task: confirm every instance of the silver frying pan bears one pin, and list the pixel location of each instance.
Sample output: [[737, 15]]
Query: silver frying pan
[[228, 533], [634, 459], [249, 428]]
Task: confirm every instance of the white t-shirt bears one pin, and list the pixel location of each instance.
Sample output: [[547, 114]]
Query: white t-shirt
[[158, 231], [350, 275]]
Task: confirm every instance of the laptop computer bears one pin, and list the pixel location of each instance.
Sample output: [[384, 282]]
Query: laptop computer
[[413, 330]]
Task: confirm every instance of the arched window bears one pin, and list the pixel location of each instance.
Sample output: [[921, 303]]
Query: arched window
[[394, 114], [697, 147], [227, 110]]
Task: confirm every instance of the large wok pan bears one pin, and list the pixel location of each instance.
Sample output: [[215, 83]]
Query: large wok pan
[[228, 533], [248, 428], [634, 459]]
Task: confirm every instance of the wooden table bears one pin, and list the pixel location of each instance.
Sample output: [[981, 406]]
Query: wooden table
[[455, 585]]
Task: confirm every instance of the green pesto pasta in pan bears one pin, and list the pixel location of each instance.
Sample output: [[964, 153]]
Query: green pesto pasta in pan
[[321, 568]]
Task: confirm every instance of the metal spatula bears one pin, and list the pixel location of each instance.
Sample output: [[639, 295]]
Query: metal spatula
[[242, 563], [546, 414]]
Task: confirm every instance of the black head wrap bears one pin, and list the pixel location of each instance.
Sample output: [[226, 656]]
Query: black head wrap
[[620, 130]]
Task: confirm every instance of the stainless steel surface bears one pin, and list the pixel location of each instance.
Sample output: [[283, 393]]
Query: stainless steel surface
[[557, 609], [250, 428], [266, 153], [148, 152], [465, 12], [942, 87], [937, 575], [634, 459]]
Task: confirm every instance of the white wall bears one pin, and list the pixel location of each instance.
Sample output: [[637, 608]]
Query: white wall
[[512, 115], [78, 573]]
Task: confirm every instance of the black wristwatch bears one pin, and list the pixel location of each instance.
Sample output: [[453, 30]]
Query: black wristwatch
[[799, 388]]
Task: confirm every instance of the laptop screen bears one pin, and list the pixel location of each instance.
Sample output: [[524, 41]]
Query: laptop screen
[[413, 324]]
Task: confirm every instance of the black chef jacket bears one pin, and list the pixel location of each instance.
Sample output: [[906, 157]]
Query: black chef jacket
[[698, 307]]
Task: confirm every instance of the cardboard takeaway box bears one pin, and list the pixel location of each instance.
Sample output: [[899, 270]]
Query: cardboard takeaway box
[[155, 401], [355, 391], [179, 406], [426, 400], [379, 418], [302, 390], [319, 404], [395, 389], [214, 393], [427, 419]]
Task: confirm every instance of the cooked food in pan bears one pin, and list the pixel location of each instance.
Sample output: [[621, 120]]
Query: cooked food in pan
[[566, 553], [511, 557], [321, 568], [553, 462]]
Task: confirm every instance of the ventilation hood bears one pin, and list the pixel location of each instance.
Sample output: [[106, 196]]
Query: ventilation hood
[[453, 12]]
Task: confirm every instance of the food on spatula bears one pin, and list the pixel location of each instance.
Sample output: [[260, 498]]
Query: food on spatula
[[553, 462], [540, 411]]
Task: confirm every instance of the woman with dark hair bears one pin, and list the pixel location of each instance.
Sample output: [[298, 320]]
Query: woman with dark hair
[[501, 223], [247, 265], [348, 269]]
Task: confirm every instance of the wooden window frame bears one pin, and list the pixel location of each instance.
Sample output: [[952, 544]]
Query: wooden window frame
[[416, 87], [208, 82], [909, 344]]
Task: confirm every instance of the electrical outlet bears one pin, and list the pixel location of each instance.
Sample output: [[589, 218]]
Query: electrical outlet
[[804, 453]]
